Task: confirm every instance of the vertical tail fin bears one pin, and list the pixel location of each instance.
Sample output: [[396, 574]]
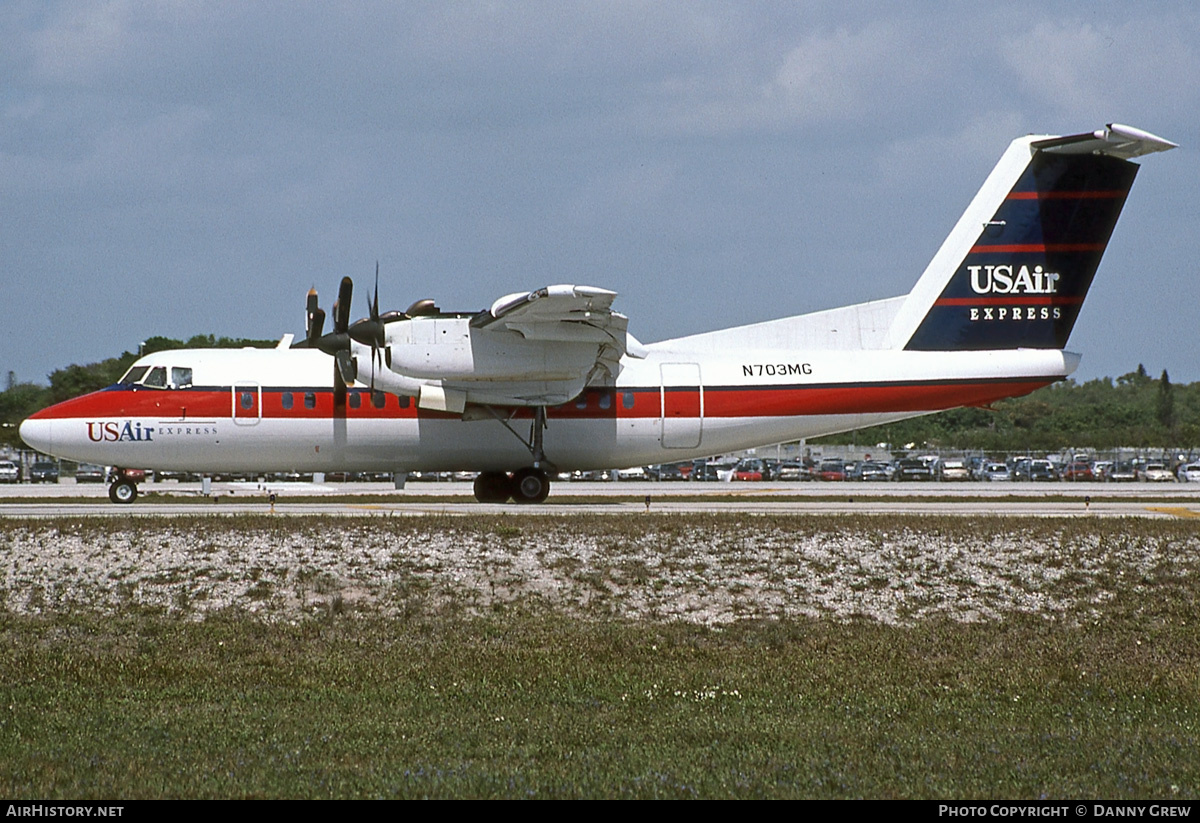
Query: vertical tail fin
[[1015, 270]]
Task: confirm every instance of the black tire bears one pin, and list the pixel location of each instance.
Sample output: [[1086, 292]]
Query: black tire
[[493, 487], [123, 491], [530, 485]]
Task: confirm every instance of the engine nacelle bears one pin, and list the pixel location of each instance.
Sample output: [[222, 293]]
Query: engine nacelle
[[449, 348]]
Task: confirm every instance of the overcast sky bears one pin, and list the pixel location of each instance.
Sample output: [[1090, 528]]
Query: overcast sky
[[175, 168]]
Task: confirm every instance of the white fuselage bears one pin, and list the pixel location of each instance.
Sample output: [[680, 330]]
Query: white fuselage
[[275, 409]]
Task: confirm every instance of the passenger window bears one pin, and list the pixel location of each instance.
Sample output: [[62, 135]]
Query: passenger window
[[286, 399], [157, 378], [355, 399], [378, 399], [627, 399], [605, 400], [247, 400], [403, 401], [310, 400], [181, 377], [581, 403]]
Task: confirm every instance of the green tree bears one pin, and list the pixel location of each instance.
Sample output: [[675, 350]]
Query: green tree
[[16, 404], [1166, 402]]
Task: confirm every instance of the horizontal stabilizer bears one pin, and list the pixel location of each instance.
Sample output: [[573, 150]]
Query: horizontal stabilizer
[[1114, 140]]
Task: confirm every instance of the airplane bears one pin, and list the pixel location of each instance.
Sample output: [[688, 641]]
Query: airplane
[[551, 380]]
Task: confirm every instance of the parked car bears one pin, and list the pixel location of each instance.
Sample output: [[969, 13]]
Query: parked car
[[1122, 472], [1189, 473], [90, 473], [1156, 473], [873, 471], [831, 470], [749, 469], [1034, 470], [10, 472], [994, 472], [43, 471], [1078, 471], [913, 468], [672, 471], [795, 470], [955, 470], [976, 466]]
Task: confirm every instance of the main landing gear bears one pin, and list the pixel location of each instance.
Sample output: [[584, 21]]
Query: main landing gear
[[122, 489], [528, 485]]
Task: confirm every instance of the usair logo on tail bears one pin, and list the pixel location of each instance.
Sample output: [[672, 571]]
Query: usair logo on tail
[[1001, 280]]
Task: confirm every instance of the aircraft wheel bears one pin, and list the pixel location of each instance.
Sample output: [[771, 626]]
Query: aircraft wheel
[[123, 491], [530, 486], [492, 487]]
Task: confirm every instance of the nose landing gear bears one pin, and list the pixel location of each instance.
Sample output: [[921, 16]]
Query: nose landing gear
[[122, 489]]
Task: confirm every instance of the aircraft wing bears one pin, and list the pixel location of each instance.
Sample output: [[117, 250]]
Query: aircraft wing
[[566, 314]]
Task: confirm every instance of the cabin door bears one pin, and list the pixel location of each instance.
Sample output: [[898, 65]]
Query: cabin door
[[247, 403], [682, 405]]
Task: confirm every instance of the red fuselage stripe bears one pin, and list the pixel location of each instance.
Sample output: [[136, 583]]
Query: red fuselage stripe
[[205, 405]]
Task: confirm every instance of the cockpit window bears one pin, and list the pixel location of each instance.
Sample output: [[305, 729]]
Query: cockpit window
[[134, 374], [157, 378]]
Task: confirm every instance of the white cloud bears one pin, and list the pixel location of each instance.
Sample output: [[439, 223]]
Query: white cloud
[[842, 75], [1082, 69]]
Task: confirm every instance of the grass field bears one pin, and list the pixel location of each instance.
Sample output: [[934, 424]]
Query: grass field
[[704, 656]]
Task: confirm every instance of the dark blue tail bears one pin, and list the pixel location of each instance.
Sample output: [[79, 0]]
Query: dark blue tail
[[1025, 253]]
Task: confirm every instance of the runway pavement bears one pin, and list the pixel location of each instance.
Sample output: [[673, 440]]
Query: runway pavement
[[1166, 500]]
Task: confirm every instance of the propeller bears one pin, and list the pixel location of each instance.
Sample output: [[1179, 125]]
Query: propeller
[[337, 342], [370, 331]]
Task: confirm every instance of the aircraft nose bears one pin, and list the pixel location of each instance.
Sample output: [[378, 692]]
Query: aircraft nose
[[38, 434]]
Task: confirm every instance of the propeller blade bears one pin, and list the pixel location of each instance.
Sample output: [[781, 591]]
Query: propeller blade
[[341, 309], [316, 325], [314, 319], [374, 307], [380, 336], [339, 393]]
